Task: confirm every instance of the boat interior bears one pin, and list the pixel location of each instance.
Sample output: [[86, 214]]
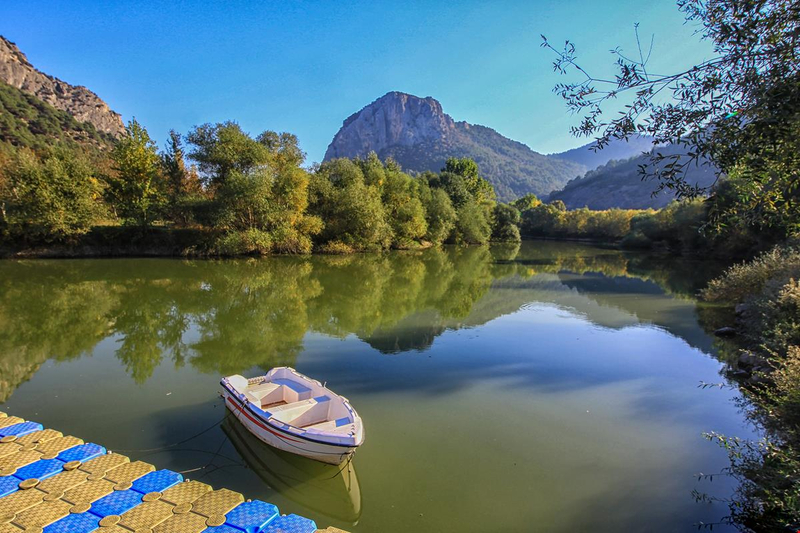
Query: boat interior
[[298, 404]]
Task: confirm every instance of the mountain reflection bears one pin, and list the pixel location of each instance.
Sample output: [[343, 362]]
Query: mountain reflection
[[227, 316]]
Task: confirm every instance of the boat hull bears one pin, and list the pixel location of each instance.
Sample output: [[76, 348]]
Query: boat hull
[[268, 433]]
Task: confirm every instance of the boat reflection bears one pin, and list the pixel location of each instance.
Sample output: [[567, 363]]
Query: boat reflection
[[326, 489]]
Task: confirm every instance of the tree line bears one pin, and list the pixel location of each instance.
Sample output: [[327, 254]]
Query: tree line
[[248, 195]]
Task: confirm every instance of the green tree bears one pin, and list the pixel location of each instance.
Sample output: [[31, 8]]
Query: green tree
[[505, 223], [183, 187], [400, 196], [260, 191], [528, 201], [139, 187], [351, 209], [439, 213], [472, 227], [223, 148], [56, 198]]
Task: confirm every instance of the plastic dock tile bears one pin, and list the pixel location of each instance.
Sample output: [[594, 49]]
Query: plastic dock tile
[[146, 515], [42, 514], [57, 445], [63, 482], [23, 428], [186, 492], [216, 503], [291, 523], [55, 483], [251, 516], [8, 484], [182, 523], [74, 523], [9, 421], [8, 448], [129, 472], [157, 481], [104, 463], [38, 437], [10, 463], [41, 469], [118, 502], [20, 500], [82, 452], [88, 491]]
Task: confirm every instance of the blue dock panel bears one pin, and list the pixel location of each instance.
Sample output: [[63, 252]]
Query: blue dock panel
[[157, 481], [41, 469], [117, 502], [18, 430], [251, 517], [291, 523], [74, 523], [8, 484], [82, 453]]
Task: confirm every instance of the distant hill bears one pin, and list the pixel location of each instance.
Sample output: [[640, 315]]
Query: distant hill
[[420, 136], [615, 150], [81, 103], [620, 184]]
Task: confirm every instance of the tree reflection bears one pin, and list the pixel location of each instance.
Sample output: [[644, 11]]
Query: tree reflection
[[228, 316]]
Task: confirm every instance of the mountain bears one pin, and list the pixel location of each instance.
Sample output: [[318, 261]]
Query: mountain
[[615, 150], [81, 103], [27, 121], [619, 184], [417, 133]]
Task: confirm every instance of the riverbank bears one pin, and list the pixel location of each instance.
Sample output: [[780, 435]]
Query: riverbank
[[128, 241]]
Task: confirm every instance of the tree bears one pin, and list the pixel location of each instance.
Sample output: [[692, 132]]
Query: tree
[[56, 198], [400, 197], [737, 109], [139, 187], [472, 227], [352, 210], [528, 201], [183, 186], [439, 213], [220, 149], [505, 223], [261, 193]]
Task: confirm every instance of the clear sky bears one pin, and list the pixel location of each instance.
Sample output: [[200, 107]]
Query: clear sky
[[305, 66]]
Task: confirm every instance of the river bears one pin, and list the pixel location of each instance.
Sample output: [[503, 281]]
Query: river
[[542, 387]]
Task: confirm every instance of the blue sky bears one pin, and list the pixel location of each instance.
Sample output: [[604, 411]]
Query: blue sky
[[304, 67]]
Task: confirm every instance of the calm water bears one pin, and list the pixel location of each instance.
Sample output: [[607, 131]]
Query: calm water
[[549, 387]]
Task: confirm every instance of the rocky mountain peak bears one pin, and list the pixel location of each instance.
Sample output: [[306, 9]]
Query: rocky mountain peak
[[78, 101], [394, 120]]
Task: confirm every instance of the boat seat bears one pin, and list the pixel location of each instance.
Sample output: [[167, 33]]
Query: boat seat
[[332, 426], [264, 394], [296, 391], [303, 412]]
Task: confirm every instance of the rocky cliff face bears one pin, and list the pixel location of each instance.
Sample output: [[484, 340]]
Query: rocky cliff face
[[79, 102], [394, 120], [417, 133]]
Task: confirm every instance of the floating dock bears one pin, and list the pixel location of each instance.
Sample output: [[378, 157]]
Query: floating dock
[[52, 483]]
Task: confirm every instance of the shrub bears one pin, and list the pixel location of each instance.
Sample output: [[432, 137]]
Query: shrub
[[246, 242]]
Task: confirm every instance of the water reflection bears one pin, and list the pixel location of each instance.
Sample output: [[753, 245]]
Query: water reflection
[[580, 363], [327, 489], [223, 317]]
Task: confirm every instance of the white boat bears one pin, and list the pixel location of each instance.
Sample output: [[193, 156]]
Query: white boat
[[295, 413]]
